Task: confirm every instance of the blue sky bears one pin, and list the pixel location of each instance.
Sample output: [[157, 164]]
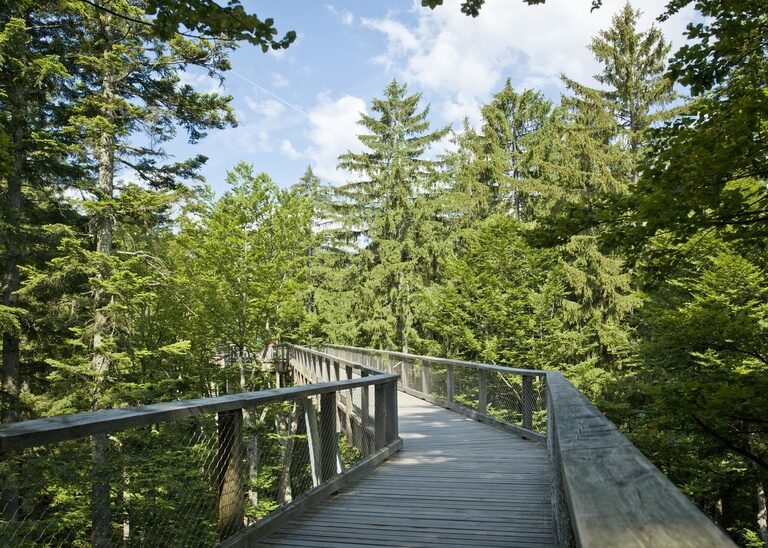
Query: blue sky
[[300, 106]]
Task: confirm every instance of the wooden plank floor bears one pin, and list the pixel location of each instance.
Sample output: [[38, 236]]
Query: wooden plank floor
[[456, 482]]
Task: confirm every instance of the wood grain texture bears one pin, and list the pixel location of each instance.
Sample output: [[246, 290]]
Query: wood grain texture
[[616, 497], [20, 435], [456, 482]]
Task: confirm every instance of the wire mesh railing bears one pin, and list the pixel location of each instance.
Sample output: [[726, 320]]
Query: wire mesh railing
[[504, 396], [188, 473]]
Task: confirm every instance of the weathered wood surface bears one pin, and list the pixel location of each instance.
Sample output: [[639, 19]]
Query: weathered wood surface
[[433, 360], [456, 482], [19, 435], [616, 497]]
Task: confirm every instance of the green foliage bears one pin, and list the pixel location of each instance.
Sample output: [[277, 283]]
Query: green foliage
[[607, 237], [387, 216]]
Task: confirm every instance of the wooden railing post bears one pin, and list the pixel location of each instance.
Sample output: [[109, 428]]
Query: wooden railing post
[[449, 383], [528, 402], [392, 429], [350, 410], [426, 378], [381, 418], [230, 473], [482, 391], [365, 417], [329, 445], [313, 440]]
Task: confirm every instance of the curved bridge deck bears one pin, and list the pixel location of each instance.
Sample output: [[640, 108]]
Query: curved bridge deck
[[456, 482]]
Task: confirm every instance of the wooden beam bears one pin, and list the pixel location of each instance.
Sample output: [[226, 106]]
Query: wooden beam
[[229, 461], [313, 440], [528, 402], [426, 378], [616, 497], [449, 383], [329, 443], [20, 435], [365, 418], [381, 416], [482, 392], [444, 361]]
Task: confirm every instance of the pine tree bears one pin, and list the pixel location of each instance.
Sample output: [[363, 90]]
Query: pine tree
[[387, 216], [587, 159]]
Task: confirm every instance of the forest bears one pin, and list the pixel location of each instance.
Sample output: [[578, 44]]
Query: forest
[[618, 235]]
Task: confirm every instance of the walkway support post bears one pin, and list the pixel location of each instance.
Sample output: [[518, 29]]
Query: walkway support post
[[313, 439], [230, 473], [329, 443], [528, 402], [482, 391], [365, 418]]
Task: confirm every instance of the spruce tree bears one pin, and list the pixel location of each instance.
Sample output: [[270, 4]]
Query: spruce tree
[[587, 158], [387, 217]]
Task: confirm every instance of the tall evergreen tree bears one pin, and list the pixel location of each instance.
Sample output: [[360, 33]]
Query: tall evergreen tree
[[387, 215]]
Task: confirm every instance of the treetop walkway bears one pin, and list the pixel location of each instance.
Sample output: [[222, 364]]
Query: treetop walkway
[[366, 448]]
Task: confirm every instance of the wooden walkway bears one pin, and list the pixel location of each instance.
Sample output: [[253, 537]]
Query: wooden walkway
[[456, 482]]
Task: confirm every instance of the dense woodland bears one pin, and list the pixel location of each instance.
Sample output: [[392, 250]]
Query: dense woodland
[[618, 235]]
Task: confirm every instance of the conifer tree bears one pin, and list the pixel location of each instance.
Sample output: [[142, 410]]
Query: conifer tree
[[387, 217], [587, 158]]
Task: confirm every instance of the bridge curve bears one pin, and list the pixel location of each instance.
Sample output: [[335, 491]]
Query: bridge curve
[[456, 482]]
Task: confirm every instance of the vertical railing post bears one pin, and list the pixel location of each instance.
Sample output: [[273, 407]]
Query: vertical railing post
[[329, 445], [382, 416], [392, 430], [365, 417], [230, 473], [404, 374], [528, 402], [482, 391], [426, 378], [313, 440], [350, 409], [449, 383]]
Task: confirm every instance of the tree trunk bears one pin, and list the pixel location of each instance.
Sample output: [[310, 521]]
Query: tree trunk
[[762, 513], [100, 362], [252, 450], [11, 282]]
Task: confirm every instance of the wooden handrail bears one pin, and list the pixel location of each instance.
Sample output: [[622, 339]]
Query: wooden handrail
[[20, 435], [444, 361], [336, 358], [615, 495]]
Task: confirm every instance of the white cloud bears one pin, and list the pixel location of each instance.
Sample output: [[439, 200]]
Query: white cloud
[[287, 148], [332, 131], [202, 82], [269, 108], [463, 60], [279, 81], [345, 16]]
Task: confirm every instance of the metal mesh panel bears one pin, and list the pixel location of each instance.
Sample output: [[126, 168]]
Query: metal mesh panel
[[439, 381], [188, 482], [465, 389]]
